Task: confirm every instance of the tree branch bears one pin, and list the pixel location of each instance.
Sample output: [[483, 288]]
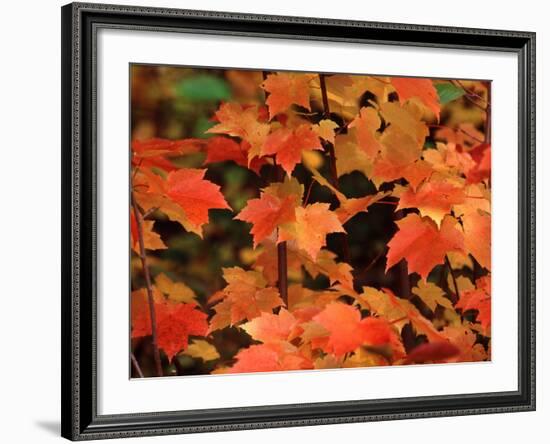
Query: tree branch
[[344, 245], [150, 297], [282, 262]]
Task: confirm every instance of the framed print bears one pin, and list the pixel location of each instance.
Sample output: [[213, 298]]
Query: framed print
[[280, 221]]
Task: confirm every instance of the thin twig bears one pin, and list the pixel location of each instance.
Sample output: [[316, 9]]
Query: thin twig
[[457, 129], [135, 363], [469, 96], [150, 297], [473, 94]]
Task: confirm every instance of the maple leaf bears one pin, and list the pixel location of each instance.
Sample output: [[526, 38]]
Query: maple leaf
[[269, 327], [349, 157], [325, 130], [481, 155], [424, 89], [433, 352], [433, 199], [407, 118], [465, 339], [300, 297], [347, 331], [164, 147], [432, 295], [311, 240], [195, 195], [270, 357], [415, 173], [202, 349], [325, 263], [242, 121], [267, 263], [478, 299], [342, 323], [245, 297], [477, 236], [367, 124], [287, 145], [422, 244], [151, 239], [350, 207], [176, 291], [398, 311], [172, 210], [266, 214], [400, 156], [276, 206], [221, 149], [286, 89], [476, 223], [175, 323]]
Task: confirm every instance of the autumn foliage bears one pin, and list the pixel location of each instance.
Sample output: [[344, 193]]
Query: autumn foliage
[[327, 164]]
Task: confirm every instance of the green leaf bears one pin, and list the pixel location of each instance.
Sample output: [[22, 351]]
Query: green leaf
[[203, 88], [448, 92]]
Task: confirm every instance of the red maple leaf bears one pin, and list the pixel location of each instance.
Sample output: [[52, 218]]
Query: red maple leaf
[[175, 323], [195, 195], [266, 214], [288, 145], [422, 244]]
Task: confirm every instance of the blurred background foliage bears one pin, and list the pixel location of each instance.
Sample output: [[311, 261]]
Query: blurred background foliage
[[177, 103]]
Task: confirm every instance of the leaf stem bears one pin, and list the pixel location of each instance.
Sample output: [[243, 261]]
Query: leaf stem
[[150, 298]]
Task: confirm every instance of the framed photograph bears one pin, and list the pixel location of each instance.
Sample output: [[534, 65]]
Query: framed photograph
[[280, 221]]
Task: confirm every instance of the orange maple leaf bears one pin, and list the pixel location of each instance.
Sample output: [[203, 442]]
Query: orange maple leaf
[[195, 195], [242, 121], [246, 296], [175, 323], [269, 327], [266, 214], [481, 155], [288, 145], [422, 244], [312, 225], [433, 199], [424, 89], [151, 239], [478, 299], [285, 89], [270, 357], [367, 124], [347, 331]]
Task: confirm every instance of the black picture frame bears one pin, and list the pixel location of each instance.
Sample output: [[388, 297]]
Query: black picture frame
[[80, 420]]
